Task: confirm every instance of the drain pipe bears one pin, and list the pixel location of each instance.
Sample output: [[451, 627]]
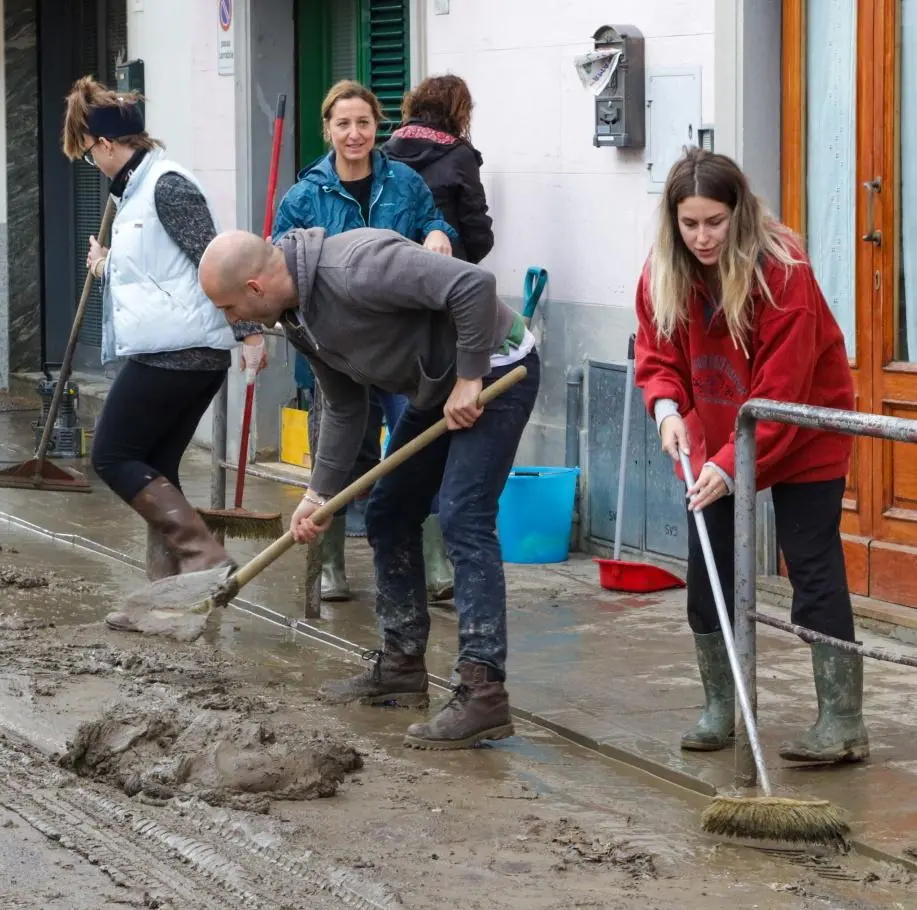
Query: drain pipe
[[575, 376], [218, 445]]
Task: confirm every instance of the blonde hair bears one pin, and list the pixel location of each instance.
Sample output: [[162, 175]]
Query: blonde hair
[[754, 237], [343, 91], [87, 93]]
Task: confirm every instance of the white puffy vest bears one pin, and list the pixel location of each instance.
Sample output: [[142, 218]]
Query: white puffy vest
[[152, 298]]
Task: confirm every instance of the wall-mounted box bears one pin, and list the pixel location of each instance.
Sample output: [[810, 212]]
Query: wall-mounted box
[[620, 114]]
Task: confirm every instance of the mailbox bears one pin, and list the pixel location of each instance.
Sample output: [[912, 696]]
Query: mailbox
[[620, 108]]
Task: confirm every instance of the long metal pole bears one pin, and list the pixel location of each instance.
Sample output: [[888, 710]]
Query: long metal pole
[[745, 590], [625, 438], [218, 447], [834, 420]]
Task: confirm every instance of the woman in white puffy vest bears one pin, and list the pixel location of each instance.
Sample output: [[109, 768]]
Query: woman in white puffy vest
[[172, 343]]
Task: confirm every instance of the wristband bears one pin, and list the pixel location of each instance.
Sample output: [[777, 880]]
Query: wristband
[[314, 498]]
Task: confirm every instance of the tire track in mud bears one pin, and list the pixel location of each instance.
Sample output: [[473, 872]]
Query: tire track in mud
[[187, 859]]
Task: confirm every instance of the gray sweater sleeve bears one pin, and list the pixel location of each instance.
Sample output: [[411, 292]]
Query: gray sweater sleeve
[[185, 216], [397, 274], [345, 410]]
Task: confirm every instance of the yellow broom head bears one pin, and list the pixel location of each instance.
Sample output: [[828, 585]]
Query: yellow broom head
[[776, 818]]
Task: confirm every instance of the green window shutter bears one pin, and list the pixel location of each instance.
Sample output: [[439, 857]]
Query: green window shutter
[[386, 57], [344, 37]]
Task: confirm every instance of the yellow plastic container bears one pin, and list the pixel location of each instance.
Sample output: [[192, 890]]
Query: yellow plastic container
[[294, 437]]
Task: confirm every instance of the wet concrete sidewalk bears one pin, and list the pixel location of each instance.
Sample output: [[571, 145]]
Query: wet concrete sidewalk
[[612, 671]]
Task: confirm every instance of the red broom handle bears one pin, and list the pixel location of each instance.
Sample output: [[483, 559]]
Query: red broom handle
[[275, 166], [266, 233], [243, 442]]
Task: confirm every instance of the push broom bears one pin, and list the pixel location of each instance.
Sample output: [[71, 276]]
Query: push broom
[[238, 522], [766, 817], [38, 473], [179, 606]]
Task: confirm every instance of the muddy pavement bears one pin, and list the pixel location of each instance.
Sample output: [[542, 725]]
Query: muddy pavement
[[142, 773]]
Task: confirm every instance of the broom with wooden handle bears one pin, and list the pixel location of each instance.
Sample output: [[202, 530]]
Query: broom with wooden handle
[[38, 473], [766, 817], [179, 606]]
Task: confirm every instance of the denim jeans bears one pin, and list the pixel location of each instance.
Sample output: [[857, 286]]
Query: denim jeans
[[469, 468], [393, 406]]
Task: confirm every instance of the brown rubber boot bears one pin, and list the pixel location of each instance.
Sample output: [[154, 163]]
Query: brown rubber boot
[[394, 679], [188, 539], [178, 540], [477, 711], [159, 561]]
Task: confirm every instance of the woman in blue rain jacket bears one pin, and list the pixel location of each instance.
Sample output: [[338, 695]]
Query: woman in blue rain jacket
[[355, 186]]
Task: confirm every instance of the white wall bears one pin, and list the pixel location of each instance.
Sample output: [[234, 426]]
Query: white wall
[[189, 106], [584, 213]]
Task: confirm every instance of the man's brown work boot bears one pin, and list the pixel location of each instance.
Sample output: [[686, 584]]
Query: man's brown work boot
[[477, 711], [394, 679]]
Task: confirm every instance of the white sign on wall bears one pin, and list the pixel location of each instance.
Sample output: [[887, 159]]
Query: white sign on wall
[[226, 48]]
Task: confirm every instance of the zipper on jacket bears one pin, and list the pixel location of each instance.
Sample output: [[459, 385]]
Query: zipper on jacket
[[372, 202], [345, 195]]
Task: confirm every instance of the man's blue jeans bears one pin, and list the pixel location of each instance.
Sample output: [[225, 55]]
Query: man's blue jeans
[[469, 468]]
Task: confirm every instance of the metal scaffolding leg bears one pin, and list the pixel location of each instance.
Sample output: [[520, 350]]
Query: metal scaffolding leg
[[218, 451], [313, 604], [746, 566]]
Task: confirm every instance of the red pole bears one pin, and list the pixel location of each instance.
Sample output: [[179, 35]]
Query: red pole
[[275, 166], [266, 233]]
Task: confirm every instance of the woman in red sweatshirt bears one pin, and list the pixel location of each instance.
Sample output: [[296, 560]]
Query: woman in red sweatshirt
[[728, 309]]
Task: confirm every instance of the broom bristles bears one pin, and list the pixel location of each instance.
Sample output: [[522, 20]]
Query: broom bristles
[[776, 818], [243, 525]]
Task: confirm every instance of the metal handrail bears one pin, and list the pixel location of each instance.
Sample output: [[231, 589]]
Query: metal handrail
[[851, 423]]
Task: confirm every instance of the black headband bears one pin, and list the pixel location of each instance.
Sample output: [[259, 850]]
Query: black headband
[[111, 122]]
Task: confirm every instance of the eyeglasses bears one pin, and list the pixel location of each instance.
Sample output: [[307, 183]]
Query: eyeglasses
[[87, 155]]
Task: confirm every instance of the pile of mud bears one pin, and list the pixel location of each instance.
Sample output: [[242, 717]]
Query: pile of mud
[[12, 576], [220, 757], [575, 847]]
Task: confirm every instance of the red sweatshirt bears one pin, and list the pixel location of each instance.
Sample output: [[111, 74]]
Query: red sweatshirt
[[795, 353]]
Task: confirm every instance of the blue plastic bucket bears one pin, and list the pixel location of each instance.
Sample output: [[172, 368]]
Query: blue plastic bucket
[[535, 515]]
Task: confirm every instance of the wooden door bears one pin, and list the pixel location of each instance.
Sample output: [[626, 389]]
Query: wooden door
[[888, 251], [850, 122]]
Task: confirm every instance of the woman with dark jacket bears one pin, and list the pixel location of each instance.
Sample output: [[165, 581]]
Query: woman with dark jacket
[[433, 140]]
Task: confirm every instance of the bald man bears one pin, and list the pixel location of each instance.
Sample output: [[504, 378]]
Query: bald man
[[369, 307]]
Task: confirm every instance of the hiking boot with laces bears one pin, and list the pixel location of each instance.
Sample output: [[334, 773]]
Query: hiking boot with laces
[[394, 679], [477, 711]]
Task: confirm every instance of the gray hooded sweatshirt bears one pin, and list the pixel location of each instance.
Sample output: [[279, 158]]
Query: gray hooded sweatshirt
[[378, 309]]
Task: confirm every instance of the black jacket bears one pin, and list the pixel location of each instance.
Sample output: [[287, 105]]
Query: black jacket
[[453, 173]]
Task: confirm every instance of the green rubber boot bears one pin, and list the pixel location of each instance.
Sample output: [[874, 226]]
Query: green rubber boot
[[717, 723], [839, 734], [436, 563], [334, 577]]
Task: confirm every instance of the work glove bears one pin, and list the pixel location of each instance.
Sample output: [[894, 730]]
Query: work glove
[[253, 357]]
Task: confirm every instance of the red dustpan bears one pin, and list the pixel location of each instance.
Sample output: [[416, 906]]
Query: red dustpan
[[615, 574]]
